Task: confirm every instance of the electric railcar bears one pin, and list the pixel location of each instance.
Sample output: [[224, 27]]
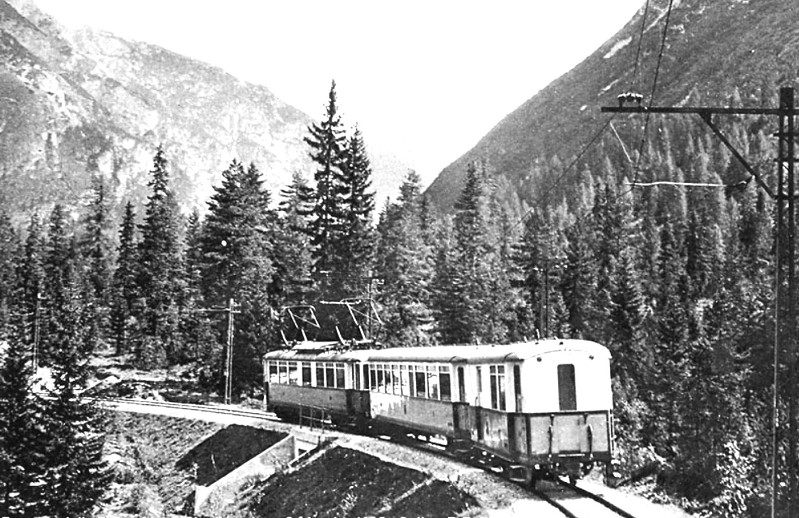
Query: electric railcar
[[533, 409]]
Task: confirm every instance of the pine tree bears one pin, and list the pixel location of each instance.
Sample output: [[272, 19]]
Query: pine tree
[[60, 273], [328, 151], [23, 442], [238, 255], [292, 257], [76, 474], [466, 309], [96, 246], [195, 325], [159, 272], [125, 286], [579, 279], [356, 246], [10, 259], [404, 265], [32, 281]]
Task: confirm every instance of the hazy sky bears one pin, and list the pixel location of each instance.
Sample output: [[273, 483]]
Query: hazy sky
[[424, 79]]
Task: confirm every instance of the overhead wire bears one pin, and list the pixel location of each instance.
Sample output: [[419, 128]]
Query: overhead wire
[[637, 168], [609, 122]]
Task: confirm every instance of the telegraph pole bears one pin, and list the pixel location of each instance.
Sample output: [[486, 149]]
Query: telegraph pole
[[231, 310], [785, 252]]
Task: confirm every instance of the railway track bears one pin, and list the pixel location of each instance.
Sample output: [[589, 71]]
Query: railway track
[[569, 499], [192, 407], [577, 502]]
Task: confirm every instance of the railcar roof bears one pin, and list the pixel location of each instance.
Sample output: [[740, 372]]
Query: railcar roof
[[451, 353]]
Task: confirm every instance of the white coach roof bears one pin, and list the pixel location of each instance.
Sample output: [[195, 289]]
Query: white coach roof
[[455, 353]]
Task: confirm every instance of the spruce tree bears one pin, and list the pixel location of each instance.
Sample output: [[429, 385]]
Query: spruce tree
[[356, 246], [292, 257], [404, 265], [195, 324], [32, 281], [238, 255], [471, 268], [76, 474], [159, 272], [10, 260], [125, 286], [23, 441], [96, 248], [328, 151]]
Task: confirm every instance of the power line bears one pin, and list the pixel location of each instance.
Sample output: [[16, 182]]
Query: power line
[[652, 93]]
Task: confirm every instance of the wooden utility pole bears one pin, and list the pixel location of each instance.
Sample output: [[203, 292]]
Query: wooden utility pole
[[785, 350], [231, 310]]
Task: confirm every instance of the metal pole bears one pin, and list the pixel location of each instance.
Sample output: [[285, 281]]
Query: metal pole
[[787, 103], [229, 358]]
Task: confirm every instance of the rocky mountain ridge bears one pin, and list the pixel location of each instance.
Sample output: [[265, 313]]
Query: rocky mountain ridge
[[81, 104]]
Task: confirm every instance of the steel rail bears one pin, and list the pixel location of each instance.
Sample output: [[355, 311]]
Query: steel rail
[[584, 492]]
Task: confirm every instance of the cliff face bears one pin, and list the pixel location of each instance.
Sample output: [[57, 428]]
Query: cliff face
[[715, 50], [78, 104]]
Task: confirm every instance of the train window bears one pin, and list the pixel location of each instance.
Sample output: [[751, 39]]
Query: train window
[[283, 373], [272, 372], [446, 387], [566, 387], [320, 374], [339, 375], [404, 386], [381, 378], [306, 374], [372, 377], [330, 375], [420, 378], [395, 374], [497, 378], [432, 382], [294, 373]]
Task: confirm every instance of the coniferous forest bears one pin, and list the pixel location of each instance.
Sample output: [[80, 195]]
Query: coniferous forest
[[677, 281]]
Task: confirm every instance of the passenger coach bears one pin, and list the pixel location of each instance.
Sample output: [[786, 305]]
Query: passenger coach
[[530, 408]]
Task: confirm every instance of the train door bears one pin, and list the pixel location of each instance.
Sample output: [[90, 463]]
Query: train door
[[517, 387], [477, 414], [461, 385], [567, 392], [461, 409]]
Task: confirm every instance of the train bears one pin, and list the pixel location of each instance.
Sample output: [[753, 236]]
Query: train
[[531, 410]]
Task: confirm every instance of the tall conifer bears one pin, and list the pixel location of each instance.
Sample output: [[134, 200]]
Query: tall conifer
[[159, 274], [328, 151]]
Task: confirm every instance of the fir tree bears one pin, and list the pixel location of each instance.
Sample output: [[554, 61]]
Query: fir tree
[[76, 474], [328, 151], [356, 246], [32, 279], [125, 286], [10, 259], [195, 325], [96, 246], [292, 257], [405, 267], [238, 254], [159, 272], [23, 442]]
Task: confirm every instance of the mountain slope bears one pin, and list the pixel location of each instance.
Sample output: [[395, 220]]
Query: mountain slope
[[714, 48], [78, 104]]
